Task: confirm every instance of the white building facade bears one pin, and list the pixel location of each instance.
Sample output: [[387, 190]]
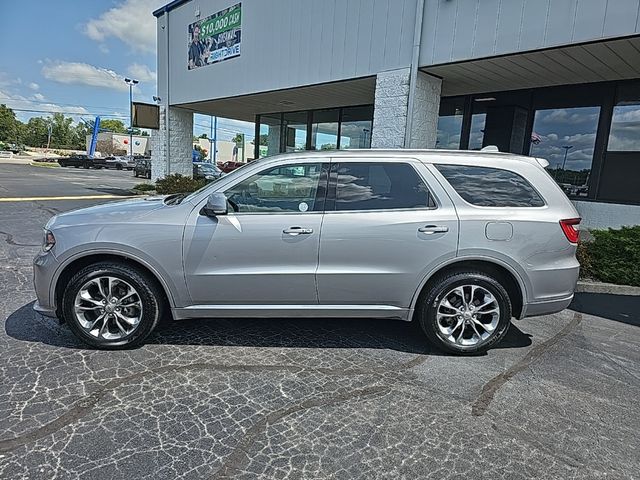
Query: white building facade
[[558, 79]]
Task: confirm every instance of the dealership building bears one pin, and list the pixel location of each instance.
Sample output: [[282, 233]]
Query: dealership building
[[558, 79]]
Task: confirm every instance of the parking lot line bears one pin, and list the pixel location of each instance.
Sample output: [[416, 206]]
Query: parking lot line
[[77, 197]]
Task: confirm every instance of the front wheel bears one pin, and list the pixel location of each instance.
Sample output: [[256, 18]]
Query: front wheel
[[465, 312], [112, 306]]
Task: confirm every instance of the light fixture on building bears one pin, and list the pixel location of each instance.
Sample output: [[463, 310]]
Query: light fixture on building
[[485, 99], [286, 103]]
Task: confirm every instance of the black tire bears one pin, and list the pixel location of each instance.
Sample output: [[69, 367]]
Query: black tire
[[76, 166], [149, 175], [148, 290], [118, 166], [135, 174], [86, 166], [441, 286]]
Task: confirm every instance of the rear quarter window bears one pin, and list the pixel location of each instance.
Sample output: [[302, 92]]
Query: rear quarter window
[[491, 187]]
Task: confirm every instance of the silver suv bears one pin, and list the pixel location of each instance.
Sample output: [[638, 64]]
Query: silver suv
[[458, 241]]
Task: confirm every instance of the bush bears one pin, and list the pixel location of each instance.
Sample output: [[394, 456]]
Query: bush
[[177, 183], [612, 256], [144, 187]]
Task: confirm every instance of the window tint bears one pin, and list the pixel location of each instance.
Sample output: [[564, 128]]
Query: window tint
[[375, 186], [491, 187], [289, 188]]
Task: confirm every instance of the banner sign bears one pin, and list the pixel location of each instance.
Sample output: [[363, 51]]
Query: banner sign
[[215, 38]]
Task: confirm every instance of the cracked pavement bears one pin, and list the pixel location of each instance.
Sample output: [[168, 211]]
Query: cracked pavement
[[311, 398]]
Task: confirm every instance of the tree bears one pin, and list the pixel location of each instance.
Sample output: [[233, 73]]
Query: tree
[[264, 139], [204, 135], [238, 139], [36, 131], [113, 125], [9, 125], [62, 134]]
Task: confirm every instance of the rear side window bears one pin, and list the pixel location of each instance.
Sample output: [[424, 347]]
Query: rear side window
[[379, 186], [491, 187]]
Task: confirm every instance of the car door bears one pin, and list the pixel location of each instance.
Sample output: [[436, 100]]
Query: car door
[[265, 250], [387, 223]]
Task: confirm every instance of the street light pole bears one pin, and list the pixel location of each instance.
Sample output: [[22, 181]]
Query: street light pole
[[131, 82]]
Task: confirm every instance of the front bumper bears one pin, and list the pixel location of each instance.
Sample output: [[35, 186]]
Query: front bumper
[[44, 268]]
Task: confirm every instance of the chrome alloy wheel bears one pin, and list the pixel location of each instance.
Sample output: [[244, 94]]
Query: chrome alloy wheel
[[108, 307], [468, 315]]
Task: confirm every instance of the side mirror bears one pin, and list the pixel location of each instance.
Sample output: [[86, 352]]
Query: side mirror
[[216, 205]]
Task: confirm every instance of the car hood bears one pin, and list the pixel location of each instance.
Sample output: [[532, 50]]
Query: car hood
[[126, 211]]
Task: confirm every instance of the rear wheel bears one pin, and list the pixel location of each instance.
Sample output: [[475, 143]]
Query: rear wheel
[[86, 165], [111, 305], [118, 166], [465, 312]]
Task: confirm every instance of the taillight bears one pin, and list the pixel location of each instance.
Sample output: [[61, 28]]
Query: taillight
[[569, 227]]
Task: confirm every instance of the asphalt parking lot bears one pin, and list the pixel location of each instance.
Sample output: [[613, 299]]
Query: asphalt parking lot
[[301, 398]]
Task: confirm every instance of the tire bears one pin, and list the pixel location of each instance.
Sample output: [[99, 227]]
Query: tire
[[149, 175], [118, 166], [147, 294], [86, 166], [135, 174], [438, 322]]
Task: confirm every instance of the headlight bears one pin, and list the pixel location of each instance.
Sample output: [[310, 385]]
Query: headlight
[[49, 240]]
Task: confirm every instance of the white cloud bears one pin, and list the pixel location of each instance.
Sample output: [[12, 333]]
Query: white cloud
[[18, 102], [38, 96], [103, 48], [84, 74], [34, 86], [131, 21], [142, 73]]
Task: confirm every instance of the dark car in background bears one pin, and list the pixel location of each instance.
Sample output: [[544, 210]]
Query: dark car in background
[[142, 167], [205, 170], [84, 161]]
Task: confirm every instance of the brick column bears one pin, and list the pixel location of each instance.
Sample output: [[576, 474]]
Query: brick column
[[177, 159], [390, 110]]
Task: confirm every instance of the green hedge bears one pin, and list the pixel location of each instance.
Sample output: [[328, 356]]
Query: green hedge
[[612, 256], [177, 183]]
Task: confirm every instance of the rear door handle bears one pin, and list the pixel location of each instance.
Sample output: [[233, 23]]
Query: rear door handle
[[297, 231], [431, 229]]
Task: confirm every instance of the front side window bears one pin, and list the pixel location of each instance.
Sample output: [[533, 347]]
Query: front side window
[[379, 186], [490, 187], [287, 188]]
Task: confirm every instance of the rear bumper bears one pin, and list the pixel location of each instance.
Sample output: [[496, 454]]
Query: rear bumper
[[546, 307]]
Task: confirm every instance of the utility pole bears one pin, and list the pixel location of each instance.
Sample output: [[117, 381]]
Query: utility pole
[[131, 82], [566, 150]]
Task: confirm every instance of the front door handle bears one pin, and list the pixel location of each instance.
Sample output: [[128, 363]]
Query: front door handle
[[297, 231], [431, 229]]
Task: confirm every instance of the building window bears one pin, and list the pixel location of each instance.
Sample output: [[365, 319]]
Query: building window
[[355, 127], [566, 137], [295, 131], [450, 123], [269, 135], [324, 129], [476, 134], [624, 135]]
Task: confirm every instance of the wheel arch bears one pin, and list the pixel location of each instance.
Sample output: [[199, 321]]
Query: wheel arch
[[78, 263], [508, 277]]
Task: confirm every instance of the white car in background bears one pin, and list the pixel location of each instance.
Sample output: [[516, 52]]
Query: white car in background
[[120, 162]]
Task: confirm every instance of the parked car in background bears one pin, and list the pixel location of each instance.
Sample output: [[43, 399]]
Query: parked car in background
[[206, 170], [229, 166], [461, 242], [142, 167], [120, 162], [84, 161]]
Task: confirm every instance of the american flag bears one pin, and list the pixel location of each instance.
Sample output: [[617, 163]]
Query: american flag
[[535, 138]]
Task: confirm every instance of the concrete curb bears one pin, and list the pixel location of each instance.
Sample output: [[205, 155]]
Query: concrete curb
[[608, 288]]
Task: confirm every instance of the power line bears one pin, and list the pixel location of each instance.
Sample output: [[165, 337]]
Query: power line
[[69, 113]]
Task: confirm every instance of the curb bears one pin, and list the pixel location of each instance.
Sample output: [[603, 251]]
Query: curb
[[607, 288]]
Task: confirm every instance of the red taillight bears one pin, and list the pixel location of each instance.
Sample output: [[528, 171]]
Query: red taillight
[[569, 227]]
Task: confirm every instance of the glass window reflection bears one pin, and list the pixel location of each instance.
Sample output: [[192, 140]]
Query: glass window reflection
[[625, 123], [324, 129], [450, 123], [355, 128], [270, 126], [566, 138], [295, 128]]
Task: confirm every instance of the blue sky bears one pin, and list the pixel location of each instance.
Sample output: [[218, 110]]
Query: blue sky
[[72, 56]]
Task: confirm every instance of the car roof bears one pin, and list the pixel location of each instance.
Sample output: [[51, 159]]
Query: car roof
[[426, 155]]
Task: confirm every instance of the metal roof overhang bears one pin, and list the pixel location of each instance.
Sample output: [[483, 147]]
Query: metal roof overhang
[[360, 91], [598, 61]]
